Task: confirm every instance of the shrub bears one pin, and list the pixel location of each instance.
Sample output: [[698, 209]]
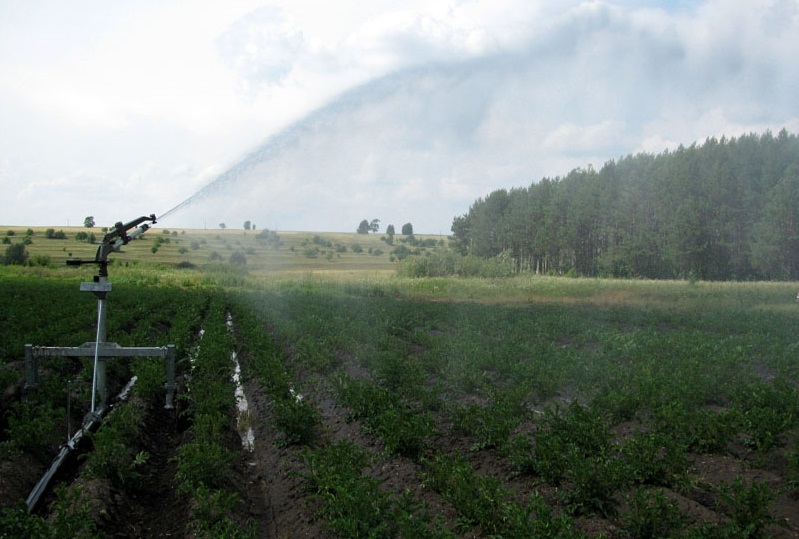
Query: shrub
[[238, 258], [40, 260], [15, 255]]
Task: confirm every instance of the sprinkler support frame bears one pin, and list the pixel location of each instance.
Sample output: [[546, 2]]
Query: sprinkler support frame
[[100, 349]]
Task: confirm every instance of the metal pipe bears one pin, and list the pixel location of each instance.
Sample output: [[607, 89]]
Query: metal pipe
[[98, 379], [89, 423]]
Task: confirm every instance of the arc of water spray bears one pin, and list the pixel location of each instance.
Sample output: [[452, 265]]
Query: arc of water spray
[[318, 120]]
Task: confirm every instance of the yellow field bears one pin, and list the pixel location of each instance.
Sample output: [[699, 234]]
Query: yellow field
[[296, 252]]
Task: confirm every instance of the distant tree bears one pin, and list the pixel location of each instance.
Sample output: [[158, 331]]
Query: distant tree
[[364, 227], [238, 258], [253, 226], [390, 230], [374, 226], [89, 222], [407, 229], [223, 226], [15, 255], [247, 225]]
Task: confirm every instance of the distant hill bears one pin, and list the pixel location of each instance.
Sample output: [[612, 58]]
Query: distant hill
[[726, 209], [257, 251]]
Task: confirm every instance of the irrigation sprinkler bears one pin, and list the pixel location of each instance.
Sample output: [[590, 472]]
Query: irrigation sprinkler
[[121, 234]]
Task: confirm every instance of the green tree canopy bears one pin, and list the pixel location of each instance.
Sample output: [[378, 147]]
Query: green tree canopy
[[725, 209], [15, 255]]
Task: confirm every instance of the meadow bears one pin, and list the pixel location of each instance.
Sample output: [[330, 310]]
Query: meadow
[[387, 406]]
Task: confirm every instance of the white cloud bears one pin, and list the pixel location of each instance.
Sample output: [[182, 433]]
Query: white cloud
[[263, 46]]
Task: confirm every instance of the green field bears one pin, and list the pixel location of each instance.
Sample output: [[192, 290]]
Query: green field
[[528, 406]]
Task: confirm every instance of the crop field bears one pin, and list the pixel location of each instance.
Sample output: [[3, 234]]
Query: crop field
[[384, 406]]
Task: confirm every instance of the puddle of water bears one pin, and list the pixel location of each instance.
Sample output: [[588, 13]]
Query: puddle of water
[[244, 419], [123, 395]]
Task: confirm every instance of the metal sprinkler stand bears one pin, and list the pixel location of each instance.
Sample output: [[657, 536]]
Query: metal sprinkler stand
[[100, 349]]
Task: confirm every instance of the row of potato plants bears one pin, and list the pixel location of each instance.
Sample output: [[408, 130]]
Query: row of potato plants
[[161, 316], [154, 316], [205, 458], [346, 497], [54, 313], [693, 385]]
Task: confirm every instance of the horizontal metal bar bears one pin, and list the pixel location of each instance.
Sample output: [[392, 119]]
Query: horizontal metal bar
[[105, 350]]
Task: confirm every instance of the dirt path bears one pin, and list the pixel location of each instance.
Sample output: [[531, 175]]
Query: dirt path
[[154, 508]]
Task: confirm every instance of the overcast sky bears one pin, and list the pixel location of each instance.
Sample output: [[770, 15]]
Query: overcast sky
[[312, 115]]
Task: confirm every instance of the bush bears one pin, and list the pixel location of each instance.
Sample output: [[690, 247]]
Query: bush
[[51, 234], [15, 255], [238, 258], [450, 263], [40, 260]]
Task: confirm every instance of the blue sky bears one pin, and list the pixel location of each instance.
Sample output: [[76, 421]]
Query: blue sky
[[307, 115]]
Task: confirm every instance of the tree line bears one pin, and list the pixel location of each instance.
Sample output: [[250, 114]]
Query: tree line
[[727, 209]]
